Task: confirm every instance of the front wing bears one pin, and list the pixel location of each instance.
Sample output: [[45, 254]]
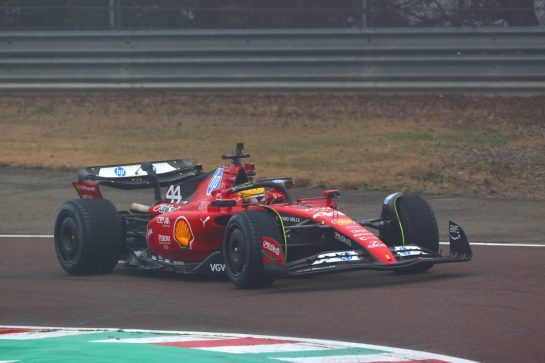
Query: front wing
[[406, 256]]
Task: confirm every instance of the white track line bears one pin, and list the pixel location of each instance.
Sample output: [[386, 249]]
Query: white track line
[[373, 358], [493, 244], [26, 236]]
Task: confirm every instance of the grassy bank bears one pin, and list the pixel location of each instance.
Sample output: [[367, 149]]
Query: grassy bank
[[439, 144]]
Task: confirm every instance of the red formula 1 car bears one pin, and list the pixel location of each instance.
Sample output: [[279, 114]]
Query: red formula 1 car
[[224, 221]]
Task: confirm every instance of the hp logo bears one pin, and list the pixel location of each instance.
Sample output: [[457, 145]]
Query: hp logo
[[119, 171]]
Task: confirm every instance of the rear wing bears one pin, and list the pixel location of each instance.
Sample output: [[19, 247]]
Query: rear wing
[[134, 176]]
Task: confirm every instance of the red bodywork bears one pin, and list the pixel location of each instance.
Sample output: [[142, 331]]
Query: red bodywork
[[207, 222]]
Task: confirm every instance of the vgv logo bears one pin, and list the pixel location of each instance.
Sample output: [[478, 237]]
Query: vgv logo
[[215, 181], [217, 267], [120, 171]]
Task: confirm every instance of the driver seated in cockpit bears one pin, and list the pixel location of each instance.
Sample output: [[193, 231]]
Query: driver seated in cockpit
[[254, 196], [261, 196]]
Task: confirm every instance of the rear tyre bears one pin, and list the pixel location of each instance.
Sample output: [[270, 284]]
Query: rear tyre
[[418, 226], [242, 248], [88, 236]]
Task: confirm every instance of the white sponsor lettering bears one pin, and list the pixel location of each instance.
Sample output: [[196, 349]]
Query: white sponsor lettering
[[332, 214], [337, 257], [409, 251], [163, 238], [217, 267], [164, 208], [291, 219], [164, 241], [360, 233], [354, 226], [162, 260], [342, 238], [270, 247], [163, 220], [375, 244], [85, 188]]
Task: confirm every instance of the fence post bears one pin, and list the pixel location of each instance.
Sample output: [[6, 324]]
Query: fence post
[[364, 14], [114, 14]]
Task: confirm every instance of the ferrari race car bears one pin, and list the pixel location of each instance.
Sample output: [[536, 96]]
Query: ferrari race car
[[225, 222]]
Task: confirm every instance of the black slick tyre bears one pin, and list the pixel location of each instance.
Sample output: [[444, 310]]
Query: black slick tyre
[[88, 236], [242, 248], [417, 225]]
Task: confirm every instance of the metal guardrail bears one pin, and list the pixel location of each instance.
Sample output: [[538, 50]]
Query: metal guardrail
[[389, 60]]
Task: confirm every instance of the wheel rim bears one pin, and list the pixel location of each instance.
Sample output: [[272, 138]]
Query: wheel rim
[[236, 252], [69, 239]]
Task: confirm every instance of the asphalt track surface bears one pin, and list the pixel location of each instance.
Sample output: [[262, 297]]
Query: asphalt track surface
[[489, 310]]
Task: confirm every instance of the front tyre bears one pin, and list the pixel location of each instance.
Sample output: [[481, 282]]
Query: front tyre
[[88, 236], [413, 223], [242, 248]]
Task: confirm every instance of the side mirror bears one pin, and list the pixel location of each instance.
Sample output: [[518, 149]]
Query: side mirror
[[330, 195]]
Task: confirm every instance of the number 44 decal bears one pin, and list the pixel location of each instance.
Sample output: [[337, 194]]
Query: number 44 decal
[[174, 194]]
